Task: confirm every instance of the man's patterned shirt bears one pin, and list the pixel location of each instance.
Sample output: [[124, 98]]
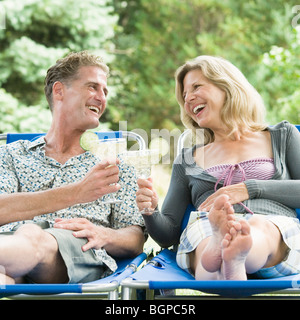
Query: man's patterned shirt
[[25, 168]]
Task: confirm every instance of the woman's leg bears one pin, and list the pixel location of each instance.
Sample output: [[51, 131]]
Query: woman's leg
[[268, 248], [206, 259], [236, 247], [219, 217], [196, 265]]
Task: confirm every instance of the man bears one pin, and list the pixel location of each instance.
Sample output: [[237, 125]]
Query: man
[[54, 183]]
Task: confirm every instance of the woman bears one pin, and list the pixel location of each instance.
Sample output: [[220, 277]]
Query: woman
[[244, 180]]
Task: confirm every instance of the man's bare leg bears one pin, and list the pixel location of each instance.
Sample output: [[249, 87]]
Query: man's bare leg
[[4, 279], [33, 252]]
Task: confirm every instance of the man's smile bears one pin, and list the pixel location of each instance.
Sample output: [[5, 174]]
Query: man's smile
[[95, 109]]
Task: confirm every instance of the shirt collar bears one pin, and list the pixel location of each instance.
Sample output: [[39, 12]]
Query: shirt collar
[[40, 141]]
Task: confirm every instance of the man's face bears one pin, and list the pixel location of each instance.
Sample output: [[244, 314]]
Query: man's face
[[84, 99]]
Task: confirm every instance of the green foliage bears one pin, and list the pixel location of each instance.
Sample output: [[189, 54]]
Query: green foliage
[[144, 42], [36, 34], [25, 63], [280, 71], [15, 117], [156, 37]]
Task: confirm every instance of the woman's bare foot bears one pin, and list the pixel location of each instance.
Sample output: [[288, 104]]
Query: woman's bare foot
[[221, 217], [235, 248]]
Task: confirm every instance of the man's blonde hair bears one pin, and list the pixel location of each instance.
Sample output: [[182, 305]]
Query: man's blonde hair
[[243, 108], [66, 70]]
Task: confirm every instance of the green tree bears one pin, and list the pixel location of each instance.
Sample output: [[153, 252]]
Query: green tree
[[36, 34], [279, 78], [155, 37], [149, 40]]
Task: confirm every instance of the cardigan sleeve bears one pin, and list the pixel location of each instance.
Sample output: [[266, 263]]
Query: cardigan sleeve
[[286, 191], [164, 226]]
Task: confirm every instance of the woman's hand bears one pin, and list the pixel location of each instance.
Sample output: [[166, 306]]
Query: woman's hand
[[146, 196], [237, 193]]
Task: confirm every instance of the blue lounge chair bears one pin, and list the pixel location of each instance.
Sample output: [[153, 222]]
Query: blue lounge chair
[[106, 287], [163, 274], [132, 136]]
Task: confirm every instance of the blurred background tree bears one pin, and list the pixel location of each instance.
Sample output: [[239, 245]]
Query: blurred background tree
[[144, 42], [36, 34], [155, 37]]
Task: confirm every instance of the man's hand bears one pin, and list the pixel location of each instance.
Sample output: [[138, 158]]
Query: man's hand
[[99, 181], [27, 205], [123, 242], [96, 235]]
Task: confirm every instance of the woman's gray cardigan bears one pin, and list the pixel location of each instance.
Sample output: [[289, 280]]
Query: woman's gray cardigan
[[190, 184]]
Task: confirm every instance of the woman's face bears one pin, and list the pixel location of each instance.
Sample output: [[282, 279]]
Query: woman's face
[[203, 100]]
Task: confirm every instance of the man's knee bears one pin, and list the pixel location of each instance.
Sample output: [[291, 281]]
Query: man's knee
[[41, 242], [30, 231]]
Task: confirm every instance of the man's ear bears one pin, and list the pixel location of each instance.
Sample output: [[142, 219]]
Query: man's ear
[[57, 91]]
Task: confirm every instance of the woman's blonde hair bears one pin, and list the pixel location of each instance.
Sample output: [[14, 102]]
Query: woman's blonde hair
[[243, 108]]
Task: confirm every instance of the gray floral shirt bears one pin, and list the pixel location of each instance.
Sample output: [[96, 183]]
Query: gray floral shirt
[[25, 168]]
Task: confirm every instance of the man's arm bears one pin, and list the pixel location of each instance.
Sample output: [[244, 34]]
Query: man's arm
[[125, 242], [27, 205]]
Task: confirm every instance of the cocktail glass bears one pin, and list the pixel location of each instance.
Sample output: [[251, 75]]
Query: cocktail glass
[[109, 149], [142, 161]]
